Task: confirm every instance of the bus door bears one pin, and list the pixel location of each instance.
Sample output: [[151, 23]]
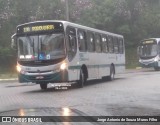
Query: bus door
[[71, 43]]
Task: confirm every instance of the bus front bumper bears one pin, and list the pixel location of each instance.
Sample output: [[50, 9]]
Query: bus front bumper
[[57, 77], [153, 64]]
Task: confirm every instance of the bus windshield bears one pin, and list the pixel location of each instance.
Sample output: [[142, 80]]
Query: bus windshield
[[41, 47], [148, 50]]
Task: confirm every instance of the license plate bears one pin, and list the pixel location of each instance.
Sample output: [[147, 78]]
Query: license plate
[[40, 77]]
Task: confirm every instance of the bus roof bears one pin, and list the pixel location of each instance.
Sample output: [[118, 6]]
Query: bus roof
[[66, 23]]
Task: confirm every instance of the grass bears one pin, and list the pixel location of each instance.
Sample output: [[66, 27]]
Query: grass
[[132, 64], [131, 58], [8, 76], [6, 73]]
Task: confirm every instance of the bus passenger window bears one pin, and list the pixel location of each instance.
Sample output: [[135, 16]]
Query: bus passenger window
[[90, 42], [98, 46], [110, 44], [82, 41], [116, 45], [104, 45], [121, 46]]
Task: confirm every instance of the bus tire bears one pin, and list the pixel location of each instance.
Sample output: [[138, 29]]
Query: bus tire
[[43, 86], [156, 68], [112, 73], [82, 79]]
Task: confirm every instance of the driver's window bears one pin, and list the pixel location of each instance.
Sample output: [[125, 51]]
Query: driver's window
[[159, 48], [71, 43]]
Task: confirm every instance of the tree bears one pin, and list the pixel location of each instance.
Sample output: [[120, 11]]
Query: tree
[[135, 19]]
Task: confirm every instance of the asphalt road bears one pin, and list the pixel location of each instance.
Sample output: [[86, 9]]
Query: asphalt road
[[133, 93]]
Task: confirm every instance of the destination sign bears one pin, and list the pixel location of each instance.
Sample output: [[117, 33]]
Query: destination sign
[[40, 27], [148, 42]]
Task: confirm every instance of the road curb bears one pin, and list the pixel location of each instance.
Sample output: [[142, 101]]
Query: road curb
[[9, 80], [138, 69]]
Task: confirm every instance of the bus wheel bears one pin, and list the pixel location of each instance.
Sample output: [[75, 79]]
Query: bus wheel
[[43, 86], [81, 80], [156, 68], [112, 73]]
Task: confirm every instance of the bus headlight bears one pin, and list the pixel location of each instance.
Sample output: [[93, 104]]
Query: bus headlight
[[156, 59], [140, 60], [63, 66], [18, 68]]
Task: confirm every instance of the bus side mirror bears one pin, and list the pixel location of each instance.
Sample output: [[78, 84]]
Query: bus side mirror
[[13, 42]]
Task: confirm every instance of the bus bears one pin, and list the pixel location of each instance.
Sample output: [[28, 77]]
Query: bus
[[55, 51], [149, 53]]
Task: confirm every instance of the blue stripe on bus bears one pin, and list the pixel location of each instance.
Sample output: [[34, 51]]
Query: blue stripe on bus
[[95, 66]]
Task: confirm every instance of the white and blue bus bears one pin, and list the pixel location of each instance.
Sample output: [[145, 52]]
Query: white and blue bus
[[61, 51], [149, 53]]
